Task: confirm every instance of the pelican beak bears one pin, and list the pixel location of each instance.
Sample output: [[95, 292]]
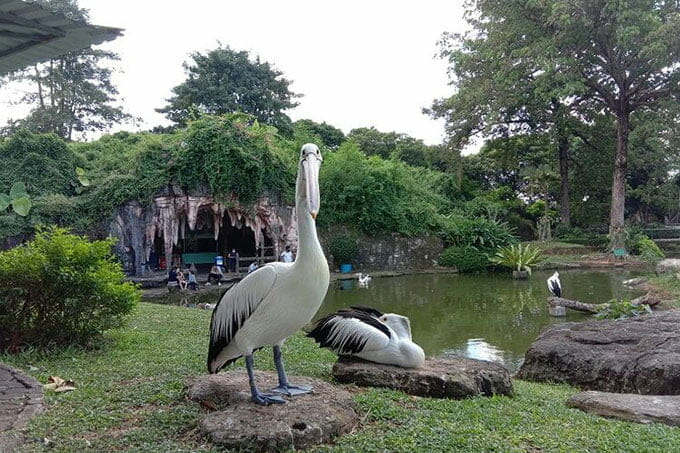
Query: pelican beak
[[311, 166]]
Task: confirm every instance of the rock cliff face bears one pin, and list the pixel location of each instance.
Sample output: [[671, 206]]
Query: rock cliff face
[[171, 213]]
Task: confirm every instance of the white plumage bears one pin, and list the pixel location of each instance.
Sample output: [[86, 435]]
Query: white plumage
[[554, 285], [371, 335], [364, 279], [277, 299]]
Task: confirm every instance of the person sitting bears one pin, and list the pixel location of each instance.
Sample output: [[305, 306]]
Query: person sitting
[[287, 256], [173, 282], [181, 280], [215, 274], [193, 284]]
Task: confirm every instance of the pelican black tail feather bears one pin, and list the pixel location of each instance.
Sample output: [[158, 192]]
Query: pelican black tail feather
[[325, 331], [555, 289]]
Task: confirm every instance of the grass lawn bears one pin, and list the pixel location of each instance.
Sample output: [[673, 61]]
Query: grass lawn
[[130, 398]]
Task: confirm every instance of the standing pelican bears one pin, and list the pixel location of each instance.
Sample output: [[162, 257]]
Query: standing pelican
[[276, 300], [369, 334], [554, 285]]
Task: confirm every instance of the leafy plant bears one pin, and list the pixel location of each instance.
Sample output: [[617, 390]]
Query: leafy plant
[[619, 309], [18, 199], [61, 289], [343, 247], [649, 251], [464, 258], [480, 233], [82, 179], [518, 257]]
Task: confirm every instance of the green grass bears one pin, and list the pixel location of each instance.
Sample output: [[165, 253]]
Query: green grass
[[130, 398]]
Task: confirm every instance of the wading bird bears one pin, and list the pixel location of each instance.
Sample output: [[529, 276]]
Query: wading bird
[[364, 279], [554, 285], [277, 299], [370, 335]]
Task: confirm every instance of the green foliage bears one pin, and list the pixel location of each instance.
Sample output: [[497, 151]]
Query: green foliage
[[478, 232], [320, 133], [575, 235], [464, 258], [228, 81], [649, 251], [518, 257], [377, 195], [18, 199], [619, 309], [343, 247], [61, 289]]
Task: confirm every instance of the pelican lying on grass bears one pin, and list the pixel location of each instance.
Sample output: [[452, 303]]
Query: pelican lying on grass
[[278, 299], [554, 285], [370, 335]]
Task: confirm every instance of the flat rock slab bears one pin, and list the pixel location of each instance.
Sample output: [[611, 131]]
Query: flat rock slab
[[635, 355], [630, 406], [303, 422], [440, 377], [21, 397]]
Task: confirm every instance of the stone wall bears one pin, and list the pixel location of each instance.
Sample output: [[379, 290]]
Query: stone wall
[[393, 252]]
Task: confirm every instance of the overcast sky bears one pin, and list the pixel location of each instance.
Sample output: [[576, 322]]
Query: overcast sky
[[357, 63]]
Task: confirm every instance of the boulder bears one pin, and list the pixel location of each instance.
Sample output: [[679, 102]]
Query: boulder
[[634, 355], [21, 398], [630, 406], [440, 377], [668, 265], [303, 422]]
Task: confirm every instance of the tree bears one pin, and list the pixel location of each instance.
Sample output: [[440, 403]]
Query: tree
[[71, 93], [392, 145], [331, 136], [609, 54], [228, 81]]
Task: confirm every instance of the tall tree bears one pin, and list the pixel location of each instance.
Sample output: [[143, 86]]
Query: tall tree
[[227, 81], [72, 93]]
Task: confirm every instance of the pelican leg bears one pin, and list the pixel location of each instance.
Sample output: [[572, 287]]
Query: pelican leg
[[284, 386], [257, 397]]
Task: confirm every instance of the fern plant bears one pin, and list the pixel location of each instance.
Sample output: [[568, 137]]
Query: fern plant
[[518, 257]]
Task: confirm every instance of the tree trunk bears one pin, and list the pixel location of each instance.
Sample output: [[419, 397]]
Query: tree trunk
[[616, 219], [565, 212]]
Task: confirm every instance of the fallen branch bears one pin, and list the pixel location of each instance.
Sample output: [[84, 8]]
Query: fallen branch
[[648, 299]]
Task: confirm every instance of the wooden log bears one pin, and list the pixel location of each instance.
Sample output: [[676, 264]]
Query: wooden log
[[648, 299], [576, 305]]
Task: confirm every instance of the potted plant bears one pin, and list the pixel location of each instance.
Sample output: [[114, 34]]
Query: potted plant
[[519, 258], [344, 249]]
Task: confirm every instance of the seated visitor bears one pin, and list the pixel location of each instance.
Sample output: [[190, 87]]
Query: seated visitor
[[193, 284], [215, 274]]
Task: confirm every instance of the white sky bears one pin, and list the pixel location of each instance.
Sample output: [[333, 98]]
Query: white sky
[[357, 63]]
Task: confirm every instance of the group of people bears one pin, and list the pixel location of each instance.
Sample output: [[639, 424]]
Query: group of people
[[178, 278], [187, 279]]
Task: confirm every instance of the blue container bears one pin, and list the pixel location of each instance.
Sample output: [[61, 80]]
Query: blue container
[[345, 268], [219, 260]]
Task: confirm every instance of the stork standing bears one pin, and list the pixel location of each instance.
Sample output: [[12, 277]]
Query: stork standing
[[371, 335], [554, 285], [277, 299]]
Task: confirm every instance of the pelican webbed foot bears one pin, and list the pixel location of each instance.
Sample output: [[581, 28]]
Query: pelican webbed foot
[[265, 399], [292, 390]]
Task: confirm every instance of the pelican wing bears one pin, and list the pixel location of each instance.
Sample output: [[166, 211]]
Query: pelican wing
[[350, 331], [234, 308], [555, 287]]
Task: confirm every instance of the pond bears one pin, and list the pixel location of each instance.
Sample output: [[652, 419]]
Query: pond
[[482, 316]]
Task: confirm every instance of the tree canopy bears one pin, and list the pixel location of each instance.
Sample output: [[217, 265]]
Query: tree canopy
[[227, 81]]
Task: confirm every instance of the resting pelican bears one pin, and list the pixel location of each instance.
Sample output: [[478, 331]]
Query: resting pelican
[[369, 334], [554, 285], [276, 300], [364, 279]]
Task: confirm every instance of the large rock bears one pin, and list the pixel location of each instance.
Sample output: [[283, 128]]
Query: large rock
[[668, 265], [304, 421], [635, 355], [441, 377], [629, 406]]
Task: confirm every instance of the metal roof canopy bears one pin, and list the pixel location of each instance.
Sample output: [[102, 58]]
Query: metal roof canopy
[[30, 33]]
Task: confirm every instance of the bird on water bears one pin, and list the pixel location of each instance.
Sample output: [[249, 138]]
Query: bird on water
[[276, 300], [369, 334]]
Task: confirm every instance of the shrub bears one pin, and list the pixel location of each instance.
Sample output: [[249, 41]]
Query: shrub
[[518, 257], [481, 233], [61, 289], [465, 258], [649, 251], [343, 247], [619, 309]]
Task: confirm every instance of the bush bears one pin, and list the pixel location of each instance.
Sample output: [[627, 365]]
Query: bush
[[518, 257], [343, 247], [61, 289], [649, 251], [619, 309], [480, 233], [465, 259]]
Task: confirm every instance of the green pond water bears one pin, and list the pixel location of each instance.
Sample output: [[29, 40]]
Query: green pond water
[[485, 316]]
